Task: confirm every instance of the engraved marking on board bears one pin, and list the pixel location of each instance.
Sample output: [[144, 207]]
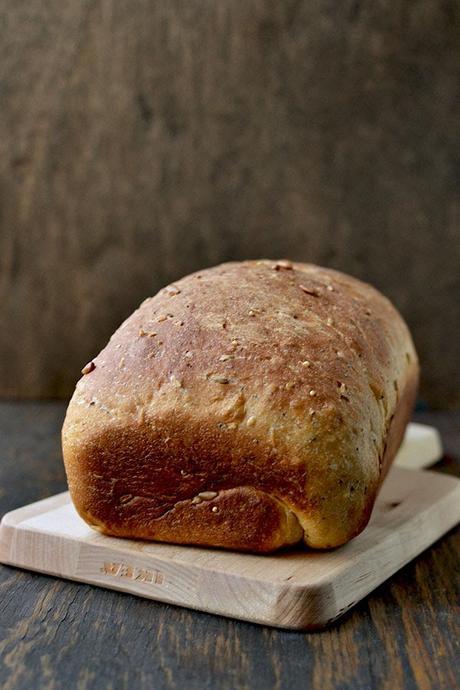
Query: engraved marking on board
[[154, 577]]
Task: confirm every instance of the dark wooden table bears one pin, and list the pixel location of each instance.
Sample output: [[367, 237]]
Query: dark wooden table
[[57, 634]]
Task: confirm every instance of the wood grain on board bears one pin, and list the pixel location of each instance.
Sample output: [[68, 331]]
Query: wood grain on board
[[141, 141]]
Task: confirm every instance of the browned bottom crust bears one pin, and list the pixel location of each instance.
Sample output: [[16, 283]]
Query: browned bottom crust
[[241, 518]]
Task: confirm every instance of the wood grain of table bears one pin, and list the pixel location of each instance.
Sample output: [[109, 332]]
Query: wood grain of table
[[57, 634]]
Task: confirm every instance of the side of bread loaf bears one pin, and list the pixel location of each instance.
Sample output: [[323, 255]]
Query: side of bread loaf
[[247, 406]]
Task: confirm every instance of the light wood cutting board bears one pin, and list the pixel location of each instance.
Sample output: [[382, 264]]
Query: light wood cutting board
[[296, 589]]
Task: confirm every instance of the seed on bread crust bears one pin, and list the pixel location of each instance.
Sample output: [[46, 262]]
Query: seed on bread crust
[[309, 291], [88, 368], [216, 378], [207, 495], [283, 264]]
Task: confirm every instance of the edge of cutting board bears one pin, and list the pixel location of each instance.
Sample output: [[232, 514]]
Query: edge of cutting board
[[299, 589]]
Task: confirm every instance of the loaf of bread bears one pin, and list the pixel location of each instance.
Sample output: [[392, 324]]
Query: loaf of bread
[[249, 406]]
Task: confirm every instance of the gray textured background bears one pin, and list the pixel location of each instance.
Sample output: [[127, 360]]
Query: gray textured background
[[142, 140]]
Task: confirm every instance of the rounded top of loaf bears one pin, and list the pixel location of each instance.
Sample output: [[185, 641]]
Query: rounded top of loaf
[[283, 329]]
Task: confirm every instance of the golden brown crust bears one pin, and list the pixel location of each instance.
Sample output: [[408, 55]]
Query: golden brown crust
[[282, 388]]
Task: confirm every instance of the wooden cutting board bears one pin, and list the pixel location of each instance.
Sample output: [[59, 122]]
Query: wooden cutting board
[[420, 448], [296, 589]]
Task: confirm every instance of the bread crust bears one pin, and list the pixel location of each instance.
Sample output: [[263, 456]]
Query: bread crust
[[248, 406]]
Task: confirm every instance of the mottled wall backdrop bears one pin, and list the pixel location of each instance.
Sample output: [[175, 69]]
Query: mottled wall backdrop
[[142, 140]]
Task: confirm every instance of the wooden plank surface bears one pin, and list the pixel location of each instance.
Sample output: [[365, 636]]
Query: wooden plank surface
[[56, 634], [297, 589], [143, 140]]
